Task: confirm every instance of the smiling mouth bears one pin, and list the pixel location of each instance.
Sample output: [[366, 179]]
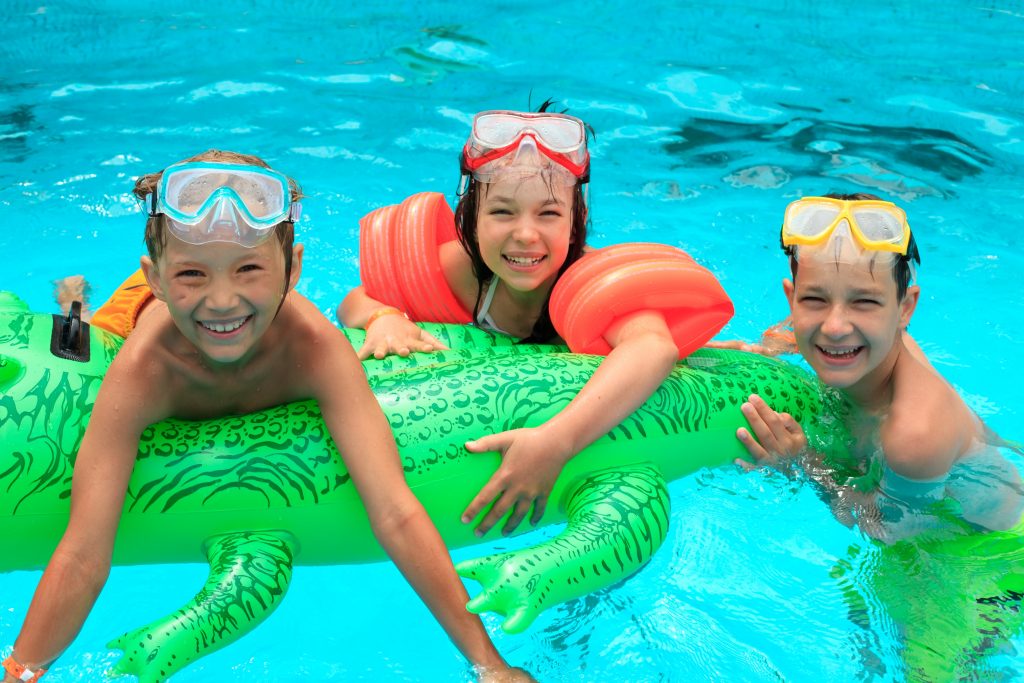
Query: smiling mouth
[[225, 327], [840, 353], [523, 261]]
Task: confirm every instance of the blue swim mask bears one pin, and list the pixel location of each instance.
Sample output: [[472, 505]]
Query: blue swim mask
[[210, 202]]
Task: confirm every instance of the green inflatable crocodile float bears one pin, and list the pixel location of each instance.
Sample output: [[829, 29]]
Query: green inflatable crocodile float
[[254, 495]]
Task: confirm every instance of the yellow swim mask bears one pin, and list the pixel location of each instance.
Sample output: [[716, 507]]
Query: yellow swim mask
[[876, 225]]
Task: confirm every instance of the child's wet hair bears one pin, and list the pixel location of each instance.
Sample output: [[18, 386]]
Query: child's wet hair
[[156, 226], [903, 264]]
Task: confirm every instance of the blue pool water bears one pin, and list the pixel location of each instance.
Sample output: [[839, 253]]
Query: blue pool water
[[710, 117]]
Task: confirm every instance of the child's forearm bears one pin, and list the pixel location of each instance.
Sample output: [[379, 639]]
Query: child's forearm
[[61, 603], [414, 544], [357, 307], [627, 377]]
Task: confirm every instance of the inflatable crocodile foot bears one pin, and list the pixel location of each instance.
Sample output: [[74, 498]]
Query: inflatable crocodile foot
[[618, 518], [249, 575]]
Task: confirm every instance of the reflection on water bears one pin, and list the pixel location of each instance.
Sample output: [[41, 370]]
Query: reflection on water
[[907, 163]]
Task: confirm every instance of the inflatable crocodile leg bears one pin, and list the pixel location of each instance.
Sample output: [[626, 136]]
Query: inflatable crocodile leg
[[618, 518], [249, 574], [954, 601]]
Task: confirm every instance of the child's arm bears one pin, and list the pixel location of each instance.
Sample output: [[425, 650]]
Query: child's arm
[[388, 330], [643, 354], [397, 518], [776, 340], [79, 566]]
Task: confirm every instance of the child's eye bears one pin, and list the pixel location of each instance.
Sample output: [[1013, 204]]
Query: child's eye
[[189, 273], [500, 212], [867, 302], [249, 268]]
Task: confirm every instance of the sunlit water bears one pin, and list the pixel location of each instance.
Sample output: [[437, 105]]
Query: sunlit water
[[709, 118]]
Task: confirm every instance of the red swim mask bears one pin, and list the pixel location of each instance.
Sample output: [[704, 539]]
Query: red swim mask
[[496, 134]]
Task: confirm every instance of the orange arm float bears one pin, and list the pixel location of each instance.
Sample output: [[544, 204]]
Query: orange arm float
[[609, 283], [399, 262]]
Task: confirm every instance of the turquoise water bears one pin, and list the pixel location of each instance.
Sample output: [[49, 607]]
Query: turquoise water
[[709, 119]]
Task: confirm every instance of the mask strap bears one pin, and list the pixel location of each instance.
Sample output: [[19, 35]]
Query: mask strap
[[149, 203]]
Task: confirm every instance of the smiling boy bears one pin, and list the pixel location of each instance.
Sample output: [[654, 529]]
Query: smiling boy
[[851, 297], [213, 328]]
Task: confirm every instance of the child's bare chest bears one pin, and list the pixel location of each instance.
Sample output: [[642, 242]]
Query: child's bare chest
[[202, 394]]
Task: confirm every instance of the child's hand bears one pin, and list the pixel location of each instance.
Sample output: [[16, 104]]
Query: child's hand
[[396, 334], [530, 464], [780, 437], [507, 675]]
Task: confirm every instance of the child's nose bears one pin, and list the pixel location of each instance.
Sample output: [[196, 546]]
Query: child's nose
[[837, 323], [221, 298], [525, 230]]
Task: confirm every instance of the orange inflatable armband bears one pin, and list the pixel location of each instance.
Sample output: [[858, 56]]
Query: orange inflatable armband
[[399, 261], [609, 283]]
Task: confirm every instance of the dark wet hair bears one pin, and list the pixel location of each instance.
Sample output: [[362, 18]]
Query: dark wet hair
[[465, 227], [901, 269]]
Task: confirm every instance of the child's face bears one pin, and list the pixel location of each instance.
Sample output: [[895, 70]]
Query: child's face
[[222, 296], [523, 229], [847, 321]]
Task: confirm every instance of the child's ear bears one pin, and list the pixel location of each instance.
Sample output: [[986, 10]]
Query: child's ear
[[152, 279], [293, 279], [908, 305], [788, 288]]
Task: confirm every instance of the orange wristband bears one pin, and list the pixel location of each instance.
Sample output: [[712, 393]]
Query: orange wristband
[[381, 312], [20, 672]]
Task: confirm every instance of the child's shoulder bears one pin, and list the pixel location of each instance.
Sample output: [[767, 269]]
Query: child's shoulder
[[299, 321], [928, 426]]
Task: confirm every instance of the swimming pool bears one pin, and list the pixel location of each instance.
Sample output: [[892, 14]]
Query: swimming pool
[[709, 118]]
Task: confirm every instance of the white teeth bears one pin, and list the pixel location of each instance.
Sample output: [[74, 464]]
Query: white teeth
[[224, 327], [843, 352], [524, 261]]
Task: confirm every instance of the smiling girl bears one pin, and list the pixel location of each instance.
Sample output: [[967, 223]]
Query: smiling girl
[[519, 227]]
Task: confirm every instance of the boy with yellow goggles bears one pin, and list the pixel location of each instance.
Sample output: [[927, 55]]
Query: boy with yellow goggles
[[875, 224]]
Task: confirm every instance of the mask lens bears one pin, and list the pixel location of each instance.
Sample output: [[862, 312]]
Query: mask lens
[[190, 189], [560, 135], [810, 220], [497, 130], [879, 225], [557, 133]]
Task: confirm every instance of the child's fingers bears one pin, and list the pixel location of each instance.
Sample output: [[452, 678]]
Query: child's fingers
[[791, 425], [765, 411], [540, 504], [494, 515], [424, 346], [763, 431], [521, 508], [491, 442], [433, 341], [782, 426], [397, 346], [489, 492], [756, 450]]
